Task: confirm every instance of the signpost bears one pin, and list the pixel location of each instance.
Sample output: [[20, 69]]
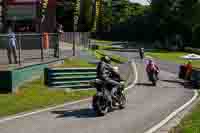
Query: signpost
[[75, 24], [75, 29]]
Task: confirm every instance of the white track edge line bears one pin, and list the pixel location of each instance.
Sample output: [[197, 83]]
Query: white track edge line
[[133, 65], [173, 114]]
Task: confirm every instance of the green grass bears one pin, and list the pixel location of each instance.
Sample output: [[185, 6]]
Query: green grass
[[100, 53], [102, 41], [75, 62], [191, 123], [34, 95], [104, 47], [172, 56]]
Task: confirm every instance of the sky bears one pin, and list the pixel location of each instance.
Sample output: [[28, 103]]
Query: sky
[[143, 2]]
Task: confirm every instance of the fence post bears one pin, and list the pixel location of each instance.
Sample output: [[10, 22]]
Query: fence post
[[41, 46], [74, 44], [19, 49]]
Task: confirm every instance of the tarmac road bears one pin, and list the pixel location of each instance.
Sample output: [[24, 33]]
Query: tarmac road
[[146, 106]]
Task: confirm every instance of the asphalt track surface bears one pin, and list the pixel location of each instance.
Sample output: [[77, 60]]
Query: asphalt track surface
[[146, 106]]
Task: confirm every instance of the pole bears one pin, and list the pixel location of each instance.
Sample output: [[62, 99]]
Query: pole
[[19, 50], [74, 49], [41, 46], [74, 30]]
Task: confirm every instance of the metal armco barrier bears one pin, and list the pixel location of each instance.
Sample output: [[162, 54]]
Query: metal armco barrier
[[195, 78], [74, 78]]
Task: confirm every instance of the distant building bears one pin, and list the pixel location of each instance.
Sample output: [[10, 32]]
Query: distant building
[[26, 15]]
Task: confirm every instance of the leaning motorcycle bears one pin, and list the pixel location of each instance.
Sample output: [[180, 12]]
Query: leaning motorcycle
[[153, 77], [101, 103]]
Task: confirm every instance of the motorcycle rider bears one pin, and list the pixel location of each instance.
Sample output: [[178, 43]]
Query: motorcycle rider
[[141, 52], [151, 66], [104, 73]]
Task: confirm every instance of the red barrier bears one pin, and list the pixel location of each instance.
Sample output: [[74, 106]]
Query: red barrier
[[45, 40]]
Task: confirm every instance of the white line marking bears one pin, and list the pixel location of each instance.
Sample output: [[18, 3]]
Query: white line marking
[[66, 104], [173, 114], [42, 110], [135, 74]]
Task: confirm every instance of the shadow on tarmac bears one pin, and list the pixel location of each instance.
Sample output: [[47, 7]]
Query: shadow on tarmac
[[186, 84], [144, 84], [78, 113]]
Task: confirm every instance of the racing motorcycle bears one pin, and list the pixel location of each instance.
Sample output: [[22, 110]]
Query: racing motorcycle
[[152, 75], [101, 103]]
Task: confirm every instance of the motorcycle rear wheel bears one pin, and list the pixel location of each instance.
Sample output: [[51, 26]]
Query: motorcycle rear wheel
[[100, 106]]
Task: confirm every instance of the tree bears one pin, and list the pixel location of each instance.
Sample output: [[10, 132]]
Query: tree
[[174, 17], [120, 10], [64, 14], [196, 24], [107, 17], [86, 16]]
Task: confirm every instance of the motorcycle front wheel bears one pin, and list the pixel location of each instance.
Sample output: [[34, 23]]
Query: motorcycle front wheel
[[154, 83], [122, 101]]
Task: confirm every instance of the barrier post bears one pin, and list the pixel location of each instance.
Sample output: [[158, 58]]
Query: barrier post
[[46, 40], [19, 49], [41, 47]]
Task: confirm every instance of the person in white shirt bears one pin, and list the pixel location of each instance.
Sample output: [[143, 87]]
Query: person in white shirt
[[12, 46], [59, 31]]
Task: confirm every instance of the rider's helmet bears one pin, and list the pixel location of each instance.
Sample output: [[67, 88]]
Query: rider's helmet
[[189, 62], [150, 62], [106, 59]]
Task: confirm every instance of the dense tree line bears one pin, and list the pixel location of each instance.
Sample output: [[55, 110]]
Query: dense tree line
[[196, 25], [162, 20], [123, 20]]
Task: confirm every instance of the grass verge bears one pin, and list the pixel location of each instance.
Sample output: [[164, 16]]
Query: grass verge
[[114, 58], [75, 62], [172, 56], [102, 41], [190, 123], [35, 95]]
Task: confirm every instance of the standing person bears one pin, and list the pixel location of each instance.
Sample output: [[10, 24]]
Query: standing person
[[59, 31], [188, 70], [11, 48]]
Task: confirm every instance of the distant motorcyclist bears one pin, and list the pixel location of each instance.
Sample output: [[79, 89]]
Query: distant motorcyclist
[[152, 67], [141, 52], [105, 71]]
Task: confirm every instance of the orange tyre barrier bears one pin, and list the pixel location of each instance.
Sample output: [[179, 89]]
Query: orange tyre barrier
[[45, 40]]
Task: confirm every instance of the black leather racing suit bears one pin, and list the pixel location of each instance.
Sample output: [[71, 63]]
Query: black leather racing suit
[[104, 72]]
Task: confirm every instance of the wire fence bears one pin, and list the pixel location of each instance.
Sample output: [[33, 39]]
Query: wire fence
[[32, 48]]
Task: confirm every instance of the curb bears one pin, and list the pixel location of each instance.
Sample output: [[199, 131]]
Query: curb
[[133, 65]]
